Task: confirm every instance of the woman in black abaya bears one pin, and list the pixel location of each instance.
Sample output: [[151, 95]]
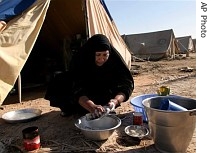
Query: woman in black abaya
[[98, 77]]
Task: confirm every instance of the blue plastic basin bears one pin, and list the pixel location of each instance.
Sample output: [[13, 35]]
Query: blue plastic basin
[[136, 102]]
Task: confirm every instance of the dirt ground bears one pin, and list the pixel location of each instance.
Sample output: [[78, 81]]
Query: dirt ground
[[59, 134]]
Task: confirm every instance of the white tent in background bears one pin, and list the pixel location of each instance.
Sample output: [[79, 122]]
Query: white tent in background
[[185, 44], [152, 45], [44, 29]]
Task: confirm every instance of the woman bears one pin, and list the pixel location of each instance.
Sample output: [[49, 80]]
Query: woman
[[100, 77]]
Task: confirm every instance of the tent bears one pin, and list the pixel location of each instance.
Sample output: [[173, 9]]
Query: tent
[[185, 44], [50, 31], [152, 45], [194, 44]]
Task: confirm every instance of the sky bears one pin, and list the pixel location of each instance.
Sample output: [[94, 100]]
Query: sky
[[142, 16]]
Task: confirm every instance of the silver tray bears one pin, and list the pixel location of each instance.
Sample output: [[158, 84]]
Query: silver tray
[[22, 115]]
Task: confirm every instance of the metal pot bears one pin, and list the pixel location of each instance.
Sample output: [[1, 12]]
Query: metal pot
[[171, 131]]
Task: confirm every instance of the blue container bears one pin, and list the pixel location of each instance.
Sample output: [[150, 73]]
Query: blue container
[[136, 102], [166, 104]]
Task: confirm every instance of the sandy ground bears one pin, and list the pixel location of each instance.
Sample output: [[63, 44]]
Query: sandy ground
[[59, 134]]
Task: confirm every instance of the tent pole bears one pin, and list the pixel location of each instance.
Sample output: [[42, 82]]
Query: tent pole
[[19, 87]]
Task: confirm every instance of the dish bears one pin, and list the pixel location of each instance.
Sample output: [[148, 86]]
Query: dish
[[22, 115], [98, 129], [137, 131]]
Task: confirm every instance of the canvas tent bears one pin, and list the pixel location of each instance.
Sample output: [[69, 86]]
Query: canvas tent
[[45, 29], [194, 44], [152, 45], [185, 44]]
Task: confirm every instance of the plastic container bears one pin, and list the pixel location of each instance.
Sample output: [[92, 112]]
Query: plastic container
[[166, 104], [136, 102]]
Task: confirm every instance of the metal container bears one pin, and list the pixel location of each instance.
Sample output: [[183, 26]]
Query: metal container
[[22, 115], [31, 138], [171, 131], [136, 131], [98, 129]]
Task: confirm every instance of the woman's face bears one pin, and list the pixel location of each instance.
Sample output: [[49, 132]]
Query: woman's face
[[101, 57]]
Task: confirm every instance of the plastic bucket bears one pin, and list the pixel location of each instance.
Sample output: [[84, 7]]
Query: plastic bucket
[[136, 102], [171, 131]]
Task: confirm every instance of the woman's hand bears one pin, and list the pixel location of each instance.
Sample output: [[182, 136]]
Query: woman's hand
[[119, 98], [97, 110], [89, 105], [114, 102]]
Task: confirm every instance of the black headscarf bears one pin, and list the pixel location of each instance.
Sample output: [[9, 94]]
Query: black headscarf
[[97, 43]]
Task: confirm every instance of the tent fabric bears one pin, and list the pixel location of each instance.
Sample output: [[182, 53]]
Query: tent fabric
[[185, 44], [16, 43], [99, 22], [44, 28], [11, 8], [194, 44], [106, 9], [152, 45]]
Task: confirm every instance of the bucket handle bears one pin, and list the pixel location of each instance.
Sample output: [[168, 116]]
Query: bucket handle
[[193, 113]]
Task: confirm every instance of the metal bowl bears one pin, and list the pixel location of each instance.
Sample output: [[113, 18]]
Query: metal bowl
[[22, 115], [137, 131], [98, 129]]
